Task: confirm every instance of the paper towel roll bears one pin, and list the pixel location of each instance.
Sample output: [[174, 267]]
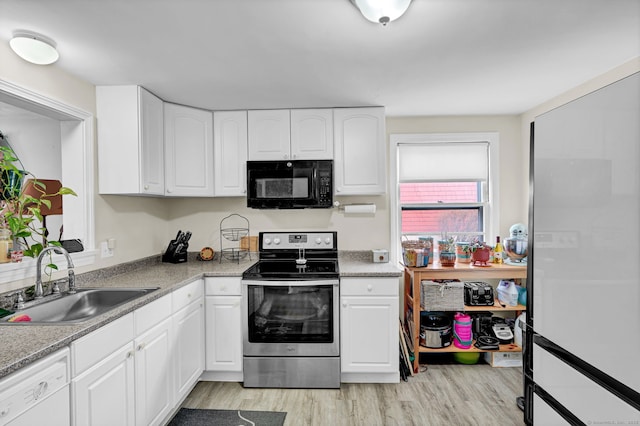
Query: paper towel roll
[[360, 209]]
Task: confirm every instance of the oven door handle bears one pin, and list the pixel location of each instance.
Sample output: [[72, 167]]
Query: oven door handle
[[290, 283]]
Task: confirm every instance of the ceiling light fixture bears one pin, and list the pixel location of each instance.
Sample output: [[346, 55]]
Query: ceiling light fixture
[[34, 48], [381, 11]]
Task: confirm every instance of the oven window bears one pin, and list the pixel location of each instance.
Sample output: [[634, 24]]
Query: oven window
[[296, 314], [270, 188]]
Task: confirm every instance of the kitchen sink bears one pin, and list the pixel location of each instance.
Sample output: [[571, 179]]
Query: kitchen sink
[[81, 306]]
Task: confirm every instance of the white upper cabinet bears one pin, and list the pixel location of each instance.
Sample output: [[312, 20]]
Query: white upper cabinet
[[297, 134], [269, 135], [360, 160], [130, 141], [230, 153], [312, 134], [188, 151]]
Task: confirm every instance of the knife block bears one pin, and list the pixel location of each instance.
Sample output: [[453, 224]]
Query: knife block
[[174, 257], [177, 251]]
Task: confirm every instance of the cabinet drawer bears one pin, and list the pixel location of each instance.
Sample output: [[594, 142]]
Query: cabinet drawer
[[152, 314], [95, 346], [369, 286], [187, 294], [222, 286]]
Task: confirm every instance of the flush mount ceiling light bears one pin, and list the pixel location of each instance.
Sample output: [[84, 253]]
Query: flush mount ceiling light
[[381, 11], [34, 48]]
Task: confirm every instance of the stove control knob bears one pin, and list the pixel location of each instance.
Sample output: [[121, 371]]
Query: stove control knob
[[276, 241], [327, 241], [267, 241], [318, 241]]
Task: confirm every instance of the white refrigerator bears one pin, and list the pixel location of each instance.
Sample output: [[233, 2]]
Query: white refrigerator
[[582, 347]]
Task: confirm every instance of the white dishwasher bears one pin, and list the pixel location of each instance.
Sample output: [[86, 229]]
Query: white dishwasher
[[38, 393]]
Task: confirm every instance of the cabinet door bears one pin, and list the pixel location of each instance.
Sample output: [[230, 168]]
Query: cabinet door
[[360, 149], [130, 141], [152, 143], [154, 375], [312, 134], [223, 333], [230, 153], [369, 340], [269, 135], [104, 394], [188, 326], [188, 151]]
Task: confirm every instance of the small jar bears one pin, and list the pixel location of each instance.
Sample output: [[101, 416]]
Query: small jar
[[5, 244]]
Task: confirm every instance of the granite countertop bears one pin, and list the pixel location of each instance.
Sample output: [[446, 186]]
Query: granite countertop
[[24, 344]]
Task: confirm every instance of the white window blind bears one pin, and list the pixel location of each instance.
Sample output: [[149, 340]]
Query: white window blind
[[446, 161]]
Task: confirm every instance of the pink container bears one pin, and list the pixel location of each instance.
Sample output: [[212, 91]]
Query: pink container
[[462, 334]]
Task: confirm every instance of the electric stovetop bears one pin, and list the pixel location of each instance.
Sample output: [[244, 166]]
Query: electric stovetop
[[295, 256]]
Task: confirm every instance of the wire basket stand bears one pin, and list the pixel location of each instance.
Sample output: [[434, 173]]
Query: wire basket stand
[[232, 229]]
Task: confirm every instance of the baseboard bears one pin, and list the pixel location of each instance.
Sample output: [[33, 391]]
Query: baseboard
[[370, 377], [222, 376]]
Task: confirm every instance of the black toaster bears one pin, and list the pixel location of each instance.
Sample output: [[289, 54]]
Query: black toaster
[[478, 293]]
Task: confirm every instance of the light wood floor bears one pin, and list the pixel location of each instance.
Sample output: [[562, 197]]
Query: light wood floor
[[444, 394]]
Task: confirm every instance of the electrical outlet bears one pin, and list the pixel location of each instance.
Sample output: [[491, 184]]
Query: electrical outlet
[[105, 251]]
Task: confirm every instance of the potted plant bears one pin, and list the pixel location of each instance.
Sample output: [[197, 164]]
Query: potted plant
[[480, 253], [447, 248], [20, 210]]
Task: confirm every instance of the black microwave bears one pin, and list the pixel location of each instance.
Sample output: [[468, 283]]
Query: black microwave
[[294, 184]]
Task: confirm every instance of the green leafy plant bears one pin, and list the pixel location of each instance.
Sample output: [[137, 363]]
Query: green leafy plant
[[21, 213]]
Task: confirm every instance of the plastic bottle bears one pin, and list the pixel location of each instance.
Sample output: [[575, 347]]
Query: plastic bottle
[[498, 252]]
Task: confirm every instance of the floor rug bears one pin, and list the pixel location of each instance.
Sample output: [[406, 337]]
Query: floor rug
[[196, 417]]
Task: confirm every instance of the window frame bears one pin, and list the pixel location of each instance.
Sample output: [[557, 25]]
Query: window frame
[[77, 133], [491, 211]]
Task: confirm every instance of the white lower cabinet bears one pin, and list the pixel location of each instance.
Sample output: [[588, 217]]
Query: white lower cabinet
[[223, 329], [369, 330], [188, 326], [104, 395], [154, 374], [137, 369]]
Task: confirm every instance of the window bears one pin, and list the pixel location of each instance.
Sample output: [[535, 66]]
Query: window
[[75, 138], [444, 184]]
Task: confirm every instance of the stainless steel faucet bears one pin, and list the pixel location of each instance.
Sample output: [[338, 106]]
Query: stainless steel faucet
[[72, 276]]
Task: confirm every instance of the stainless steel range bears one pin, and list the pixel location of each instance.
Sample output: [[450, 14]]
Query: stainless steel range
[[290, 312]]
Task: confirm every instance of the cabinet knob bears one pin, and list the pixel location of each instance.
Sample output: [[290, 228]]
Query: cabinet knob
[[168, 191], [129, 354], [141, 346], [146, 187], [369, 287], [344, 304]]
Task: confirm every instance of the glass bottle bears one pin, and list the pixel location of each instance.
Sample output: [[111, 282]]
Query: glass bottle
[[5, 243], [498, 252]]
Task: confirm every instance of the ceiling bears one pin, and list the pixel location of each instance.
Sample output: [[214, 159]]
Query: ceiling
[[443, 57]]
